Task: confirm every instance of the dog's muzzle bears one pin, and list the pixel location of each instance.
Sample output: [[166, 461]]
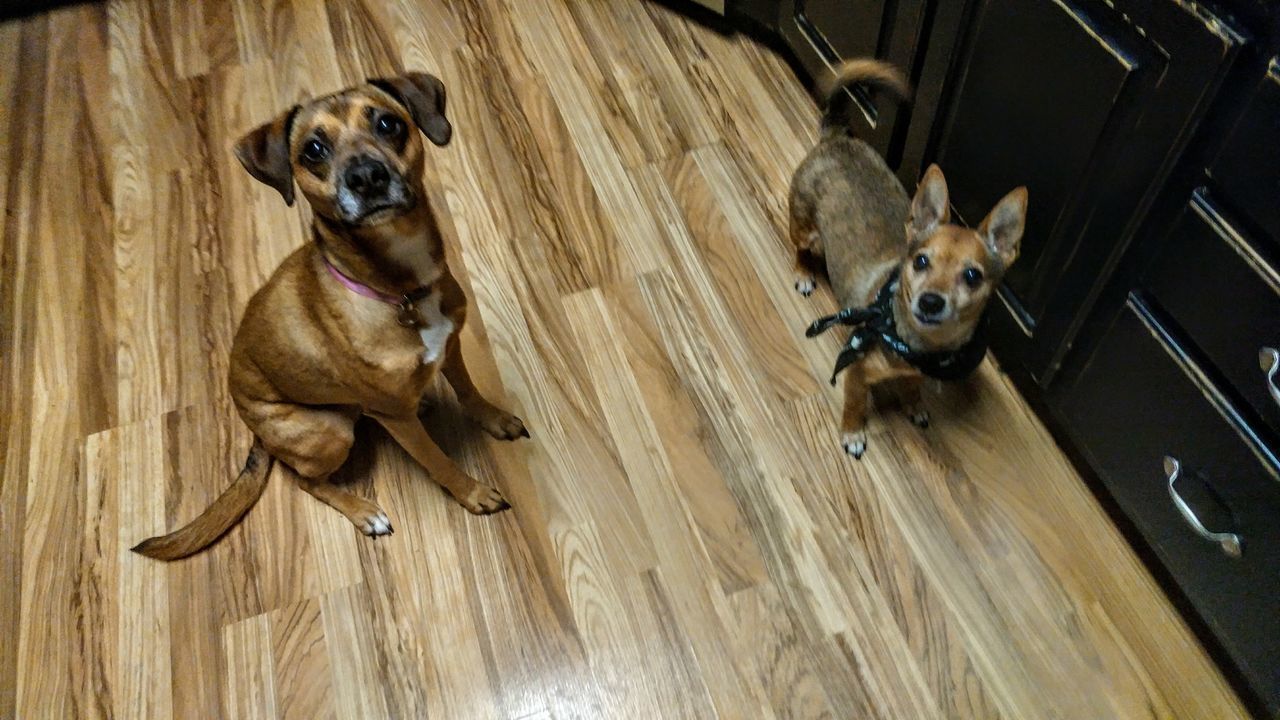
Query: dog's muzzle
[[369, 188]]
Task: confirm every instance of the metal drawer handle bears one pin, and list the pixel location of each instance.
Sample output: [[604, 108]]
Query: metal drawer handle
[[1269, 361], [1230, 542]]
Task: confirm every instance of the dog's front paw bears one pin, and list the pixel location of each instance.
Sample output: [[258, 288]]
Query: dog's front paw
[[375, 525], [805, 285], [854, 443], [919, 417], [484, 500], [498, 423]]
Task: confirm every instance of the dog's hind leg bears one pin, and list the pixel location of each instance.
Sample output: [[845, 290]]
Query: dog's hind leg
[[314, 443], [366, 516], [808, 245]]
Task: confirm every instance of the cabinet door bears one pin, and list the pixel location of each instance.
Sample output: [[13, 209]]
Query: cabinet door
[[1141, 399], [1088, 105], [850, 28], [824, 32]]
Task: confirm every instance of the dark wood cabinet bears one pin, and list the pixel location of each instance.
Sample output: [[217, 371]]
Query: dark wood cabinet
[[1170, 449], [821, 32], [1148, 133], [1089, 106], [845, 28]]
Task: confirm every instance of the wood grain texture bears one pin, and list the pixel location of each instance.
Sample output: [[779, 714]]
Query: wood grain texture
[[687, 540]]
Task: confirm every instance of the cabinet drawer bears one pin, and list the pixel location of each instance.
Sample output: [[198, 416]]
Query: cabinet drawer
[[1246, 167], [1138, 401], [1225, 296]]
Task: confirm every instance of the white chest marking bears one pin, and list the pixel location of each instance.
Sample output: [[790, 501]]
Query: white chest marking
[[435, 333]]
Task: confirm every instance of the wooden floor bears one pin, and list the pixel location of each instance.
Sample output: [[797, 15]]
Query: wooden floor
[[687, 539]]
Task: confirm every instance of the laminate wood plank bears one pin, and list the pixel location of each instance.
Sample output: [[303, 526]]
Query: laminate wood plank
[[251, 23], [571, 444], [544, 27], [490, 32], [216, 588], [564, 56], [687, 442], [183, 27], [606, 618], [11, 53], [766, 633], [980, 594], [250, 672], [94, 669], [221, 42], [545, 190], [302, 51], [142, 625], [472, 219], [434, 669], [422, 34], [748, 111], [63, 348], [667, 636], [358, 688], [668, 116], [300, 659], [522, 642], [721, 242], [144, 104], [254, 230], [840, 495], [742, 425], [672, 527]]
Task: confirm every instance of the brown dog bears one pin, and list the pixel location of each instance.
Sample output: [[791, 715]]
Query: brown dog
[[356, 322], [848, 208]]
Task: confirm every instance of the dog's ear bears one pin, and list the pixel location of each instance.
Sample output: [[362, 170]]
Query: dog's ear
[[1003, 226], [423, 96], [264, 152], [931, 206]]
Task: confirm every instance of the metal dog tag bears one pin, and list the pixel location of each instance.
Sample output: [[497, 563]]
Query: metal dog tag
[[407, 317]]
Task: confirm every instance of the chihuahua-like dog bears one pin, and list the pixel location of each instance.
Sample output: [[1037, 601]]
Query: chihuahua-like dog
[[927, 287], [357, 321]]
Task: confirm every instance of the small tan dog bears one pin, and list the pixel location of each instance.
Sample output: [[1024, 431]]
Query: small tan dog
[[918, 298], [356, 322]]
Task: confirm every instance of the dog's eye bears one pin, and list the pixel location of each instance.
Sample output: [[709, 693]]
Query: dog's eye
[[972, 277], [921, 262], [389, 126], [315, 151]]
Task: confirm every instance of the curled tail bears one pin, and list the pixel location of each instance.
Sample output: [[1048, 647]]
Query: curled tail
[[219, 517], [867, 72]]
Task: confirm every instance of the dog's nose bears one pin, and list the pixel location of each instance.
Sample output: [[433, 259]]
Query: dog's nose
[[367, 177], [932, 303]]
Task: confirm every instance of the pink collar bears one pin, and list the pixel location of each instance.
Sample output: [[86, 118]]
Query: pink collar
[[407, 316]]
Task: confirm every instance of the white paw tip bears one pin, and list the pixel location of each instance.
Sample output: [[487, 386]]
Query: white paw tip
[[805, 286], [380, 524], [921, 419], [854, 444]]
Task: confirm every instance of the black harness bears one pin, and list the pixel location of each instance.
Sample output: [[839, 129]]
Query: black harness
[[875, 323]]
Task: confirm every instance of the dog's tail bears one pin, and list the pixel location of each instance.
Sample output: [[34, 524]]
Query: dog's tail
[[867, 72], [219, 517]]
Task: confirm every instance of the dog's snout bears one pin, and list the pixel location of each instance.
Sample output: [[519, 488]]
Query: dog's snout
[[367, 177], [932, 303]]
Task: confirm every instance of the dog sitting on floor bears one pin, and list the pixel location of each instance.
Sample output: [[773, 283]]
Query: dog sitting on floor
[[916, 299], [357, 321]]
